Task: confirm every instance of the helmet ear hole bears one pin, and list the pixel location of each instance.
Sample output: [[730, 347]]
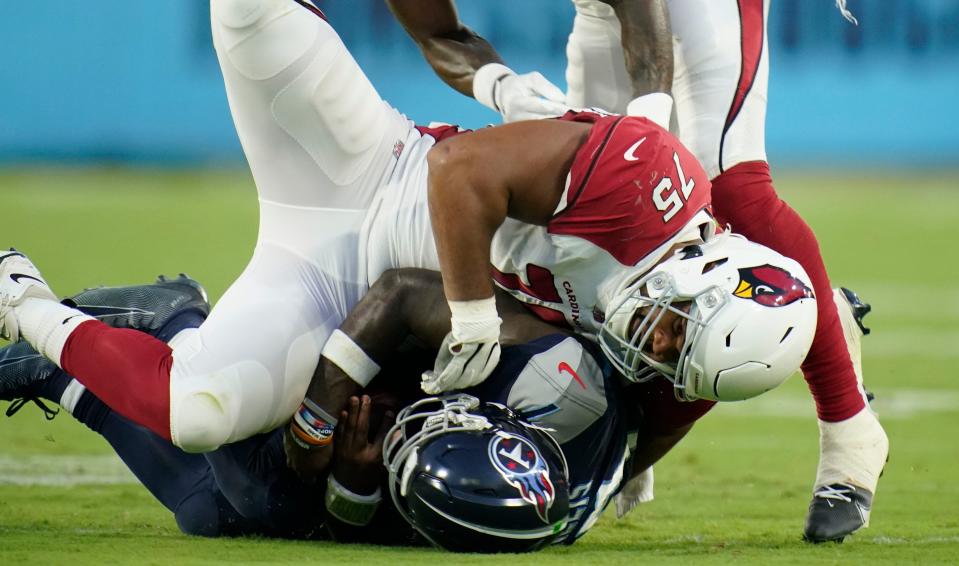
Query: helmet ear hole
[[714, 264], [692, 251]]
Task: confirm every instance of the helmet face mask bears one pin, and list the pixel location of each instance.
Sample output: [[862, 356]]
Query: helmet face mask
[[637, 311], [750, 321], [474, 477]]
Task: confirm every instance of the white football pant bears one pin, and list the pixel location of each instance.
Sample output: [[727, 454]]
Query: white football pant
[[720, 76], [319, 141]]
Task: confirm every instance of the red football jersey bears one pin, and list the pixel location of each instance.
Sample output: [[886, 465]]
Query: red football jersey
[[632, 191]]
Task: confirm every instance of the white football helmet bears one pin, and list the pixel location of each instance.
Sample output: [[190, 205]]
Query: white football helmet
[[750, 321]]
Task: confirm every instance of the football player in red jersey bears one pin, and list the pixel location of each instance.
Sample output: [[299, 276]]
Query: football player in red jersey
[[600, 222], [621, 58]]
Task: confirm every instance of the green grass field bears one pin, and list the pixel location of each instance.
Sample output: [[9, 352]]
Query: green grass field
[[734, 491]]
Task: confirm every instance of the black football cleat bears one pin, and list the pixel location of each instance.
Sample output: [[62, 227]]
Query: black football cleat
[[836, 511], [22, 371], [859, 308], [161, 310], [147, 308], [840, 509]]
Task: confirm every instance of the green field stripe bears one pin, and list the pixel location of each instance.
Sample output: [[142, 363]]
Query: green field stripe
[[898, 404], [63, 470], [912, 342]]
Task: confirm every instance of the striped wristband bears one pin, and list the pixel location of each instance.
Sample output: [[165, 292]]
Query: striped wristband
[[312, 427]]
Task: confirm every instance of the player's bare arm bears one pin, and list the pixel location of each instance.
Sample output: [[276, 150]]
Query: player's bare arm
[[469, 64], [647, 44], [653, 445], [453, 50], [479, 179], [402, 303]]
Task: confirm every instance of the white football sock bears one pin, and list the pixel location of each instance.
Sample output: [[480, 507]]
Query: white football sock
[[71, 396], [46, 325], [852, 451]]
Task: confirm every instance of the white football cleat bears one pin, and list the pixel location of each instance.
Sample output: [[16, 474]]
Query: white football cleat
[[19, 280], [852, 453]]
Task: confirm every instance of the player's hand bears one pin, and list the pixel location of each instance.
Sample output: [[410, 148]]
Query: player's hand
[[517, 97], [359, 460], [638, 489], [530, 97], [461, 364], [309, 465]]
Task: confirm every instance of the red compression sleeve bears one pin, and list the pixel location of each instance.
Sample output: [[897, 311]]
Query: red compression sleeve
[[744, 197], [128, 370]]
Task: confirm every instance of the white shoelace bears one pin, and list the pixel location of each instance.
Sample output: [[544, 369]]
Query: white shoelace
[[834, 492]]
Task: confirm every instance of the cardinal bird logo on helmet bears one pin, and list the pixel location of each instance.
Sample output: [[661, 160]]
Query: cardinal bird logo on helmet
[[770, 286], [520, 464]]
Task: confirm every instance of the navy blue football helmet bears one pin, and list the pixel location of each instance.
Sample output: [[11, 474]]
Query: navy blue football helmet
[[472, 476]]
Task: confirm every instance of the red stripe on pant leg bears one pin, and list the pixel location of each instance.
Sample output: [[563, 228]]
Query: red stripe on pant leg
[[126, 369], [311, 7], [752, 31], [744, 197]]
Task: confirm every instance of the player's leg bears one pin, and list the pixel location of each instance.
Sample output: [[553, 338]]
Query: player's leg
[[595, 68], [319, 141], [243, 371], [720, 86], [174, 477], [181, 482], [253, 476], [314, 130]]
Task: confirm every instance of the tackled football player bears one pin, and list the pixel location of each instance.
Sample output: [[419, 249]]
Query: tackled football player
[[635, 57], [457, 472], [588, 228]]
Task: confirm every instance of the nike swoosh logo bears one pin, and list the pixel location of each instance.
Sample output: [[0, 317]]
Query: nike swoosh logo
[[18, 276], [70, 318], [630, 154], [563, 366]]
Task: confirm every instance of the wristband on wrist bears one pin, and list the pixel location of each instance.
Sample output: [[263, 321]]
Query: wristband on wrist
[[486, 84], [350, 357], [311, 426], [351, 508]]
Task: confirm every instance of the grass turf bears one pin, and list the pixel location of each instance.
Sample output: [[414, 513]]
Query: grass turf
[[735, 490]]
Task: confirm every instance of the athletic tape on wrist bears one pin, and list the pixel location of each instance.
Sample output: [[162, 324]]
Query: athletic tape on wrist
[[349, 357], [351, 508], [486, 82], [475, 321]]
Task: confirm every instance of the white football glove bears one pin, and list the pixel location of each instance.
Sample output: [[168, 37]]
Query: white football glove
[[517, 97], [460, 365], [637, 490], [470, 351]]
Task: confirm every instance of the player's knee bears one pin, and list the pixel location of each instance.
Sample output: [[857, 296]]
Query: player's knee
[[199, 515], [199, 422]]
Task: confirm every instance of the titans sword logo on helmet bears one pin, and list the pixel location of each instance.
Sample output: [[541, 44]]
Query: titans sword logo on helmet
[[521, 465]]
